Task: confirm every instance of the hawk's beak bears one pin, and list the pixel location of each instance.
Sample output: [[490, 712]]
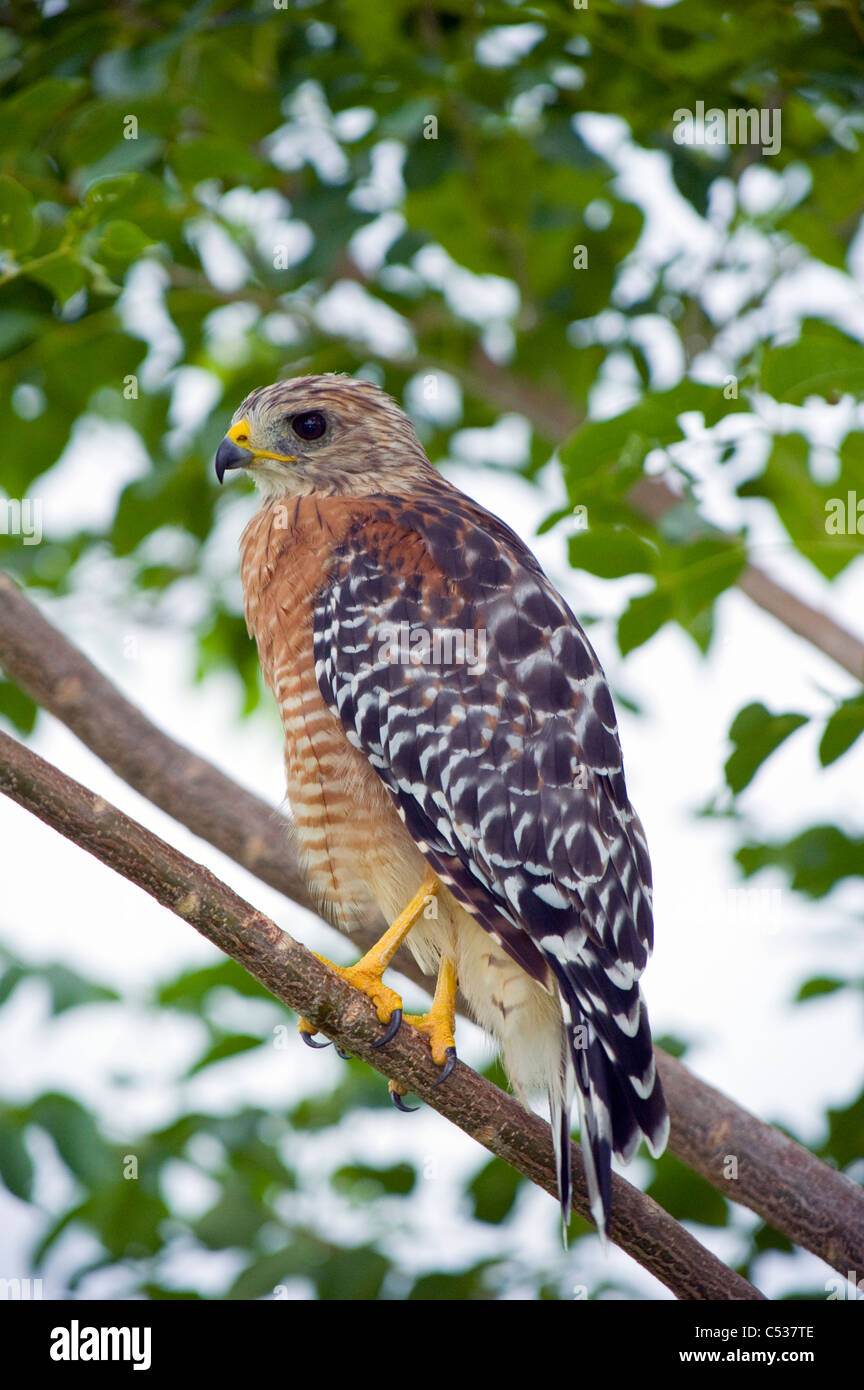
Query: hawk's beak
[[236, 451], [230, 455]]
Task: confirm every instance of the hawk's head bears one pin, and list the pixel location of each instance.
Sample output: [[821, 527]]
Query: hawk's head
[[321, 434]]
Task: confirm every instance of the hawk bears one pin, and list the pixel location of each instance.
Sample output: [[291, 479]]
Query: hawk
[[452, 759]]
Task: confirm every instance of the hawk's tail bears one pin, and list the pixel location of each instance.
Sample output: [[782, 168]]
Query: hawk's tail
[[611, 1070]]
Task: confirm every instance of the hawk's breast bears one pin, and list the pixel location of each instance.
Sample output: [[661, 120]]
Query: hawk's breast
[[353, 847]]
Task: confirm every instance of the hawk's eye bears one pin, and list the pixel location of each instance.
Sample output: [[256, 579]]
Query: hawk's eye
[[310, 425]]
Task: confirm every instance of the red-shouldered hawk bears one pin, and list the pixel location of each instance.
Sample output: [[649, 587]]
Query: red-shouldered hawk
[[450, 739]]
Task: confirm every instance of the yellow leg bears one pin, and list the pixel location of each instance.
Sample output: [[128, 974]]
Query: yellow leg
[[367, 974], [440, 1021], [439, 1025]]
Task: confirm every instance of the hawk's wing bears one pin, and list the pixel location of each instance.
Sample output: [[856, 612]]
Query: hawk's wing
[[463, 676]]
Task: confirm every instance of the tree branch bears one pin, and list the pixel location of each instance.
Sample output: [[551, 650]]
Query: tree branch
[[302, 982], [803, 1198]]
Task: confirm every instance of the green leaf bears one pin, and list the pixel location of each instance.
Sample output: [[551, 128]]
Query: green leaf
[[69, 990], [64, 276], [845, 1142], [17, 707], [817, 987], [122, 242], [699, 572], [766, 1238], [685, 1195], [264, 1275], [234, 1220], [470, 1285], [191, 988], [653, 423], [494, 1190], [77, 1137], [18, 225], [13, 973], [127, 1218], [258, 1163], [824, 362], [219, 157], [676, 1047], [644, 616], [756, 734], [159, 1293], [16, 1165], [821, 518], [843, 728], [815, 860], [346, 1275], [34, 109], [230, 1046], [18, 326], [364, 1182], [612, 551], [694, 176], [352, 1275], [102, 192]]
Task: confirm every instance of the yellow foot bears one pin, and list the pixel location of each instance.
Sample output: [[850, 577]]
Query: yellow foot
[[438, 1026], [307, 1032], [440, 1022], [397, 1091], [367, 974], [366, 977], [439, 1033]]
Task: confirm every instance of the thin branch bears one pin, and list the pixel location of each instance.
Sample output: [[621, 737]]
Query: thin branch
[[774, 1174], [302, 982]]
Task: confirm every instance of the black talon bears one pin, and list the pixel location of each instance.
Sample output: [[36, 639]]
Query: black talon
[[447, 1067], [400, 1104], [392, 1029], [346, 1056], [309, 1040]]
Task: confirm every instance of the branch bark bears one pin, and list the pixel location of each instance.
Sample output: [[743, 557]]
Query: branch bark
[[302, 982], [803, 1198]]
